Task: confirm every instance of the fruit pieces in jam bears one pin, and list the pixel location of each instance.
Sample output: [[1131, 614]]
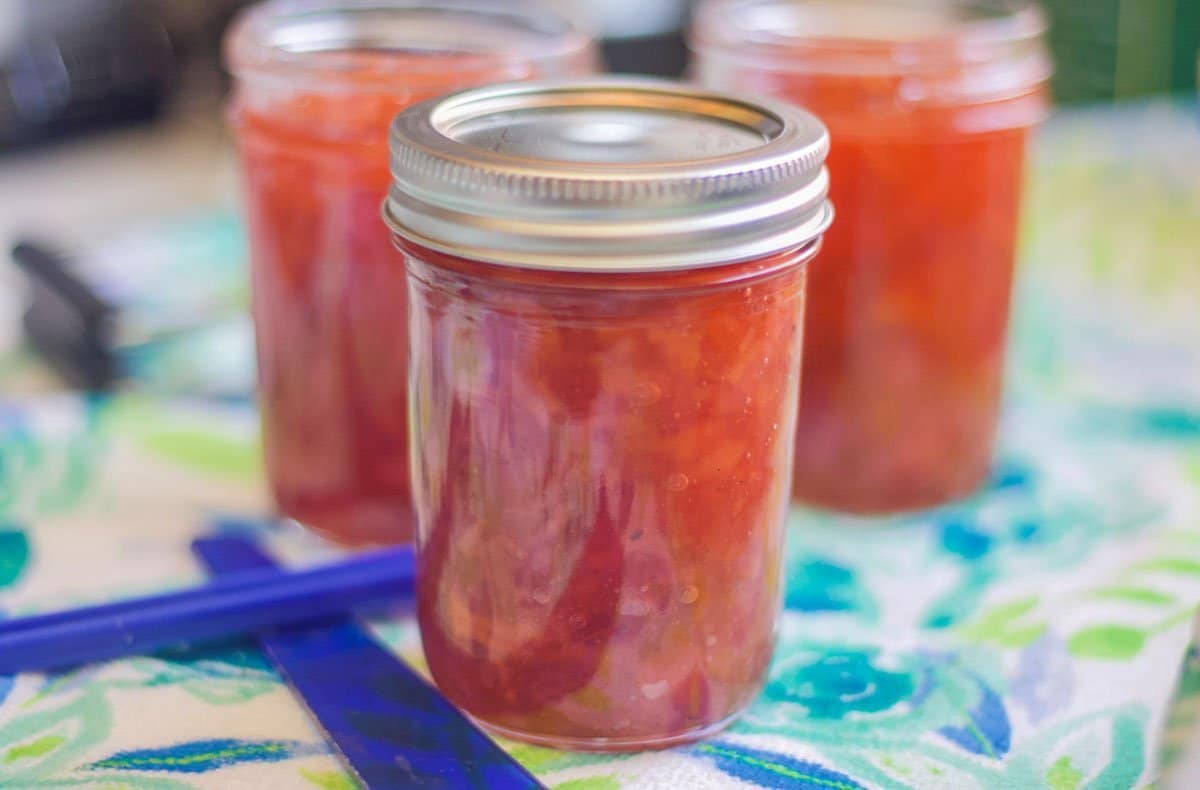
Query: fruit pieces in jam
[[329, 290], [905, 334], [602, 477]]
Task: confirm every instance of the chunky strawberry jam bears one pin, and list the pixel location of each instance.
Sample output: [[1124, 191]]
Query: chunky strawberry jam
[[604, 460], [318, 85], [905, 338]]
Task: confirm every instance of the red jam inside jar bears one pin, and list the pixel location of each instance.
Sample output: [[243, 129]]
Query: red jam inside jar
[[905, 337], [603, 422], [607, 463], [317, 86]]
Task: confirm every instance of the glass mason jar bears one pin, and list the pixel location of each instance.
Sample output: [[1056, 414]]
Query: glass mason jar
[[317, 85], [929, 107], [606, 284]]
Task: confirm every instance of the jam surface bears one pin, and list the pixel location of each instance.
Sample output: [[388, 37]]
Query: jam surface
[[602, 477]]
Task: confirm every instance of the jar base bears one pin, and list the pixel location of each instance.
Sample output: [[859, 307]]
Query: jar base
[[896, 503], [360, 525], [608, 744]]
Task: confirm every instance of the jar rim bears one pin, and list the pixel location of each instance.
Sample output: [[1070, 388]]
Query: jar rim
[[281, 37], [879, 37], [733, 273]]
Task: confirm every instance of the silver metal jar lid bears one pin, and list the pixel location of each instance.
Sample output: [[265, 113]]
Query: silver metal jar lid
[[609, 174]]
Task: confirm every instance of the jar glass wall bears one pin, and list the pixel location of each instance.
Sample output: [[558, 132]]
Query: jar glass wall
[[603, 477]]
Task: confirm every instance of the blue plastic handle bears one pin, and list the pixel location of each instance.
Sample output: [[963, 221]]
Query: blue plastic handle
[[391, 727], [245, 603]]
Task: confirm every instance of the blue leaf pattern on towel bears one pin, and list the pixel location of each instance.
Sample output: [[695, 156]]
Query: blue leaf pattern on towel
[[987, 730], [201, 756]]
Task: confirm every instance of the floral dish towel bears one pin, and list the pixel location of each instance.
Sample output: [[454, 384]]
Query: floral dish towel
[[1033, 636]]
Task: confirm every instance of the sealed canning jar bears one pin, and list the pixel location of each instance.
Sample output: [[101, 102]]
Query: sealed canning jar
[[606, 285], [317, 85], [928, 106]]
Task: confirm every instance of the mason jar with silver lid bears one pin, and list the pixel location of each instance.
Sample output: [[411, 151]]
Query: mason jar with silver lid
[[606, 285], [316, 85]]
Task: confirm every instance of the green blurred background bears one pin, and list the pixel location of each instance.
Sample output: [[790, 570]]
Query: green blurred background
[[1104, 49], [1116, 49]]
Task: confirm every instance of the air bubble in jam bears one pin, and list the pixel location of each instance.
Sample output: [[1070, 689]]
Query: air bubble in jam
[[677, 481], [646, 393]]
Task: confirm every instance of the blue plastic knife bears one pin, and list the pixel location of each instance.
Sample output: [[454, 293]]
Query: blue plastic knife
[[391, 727]]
